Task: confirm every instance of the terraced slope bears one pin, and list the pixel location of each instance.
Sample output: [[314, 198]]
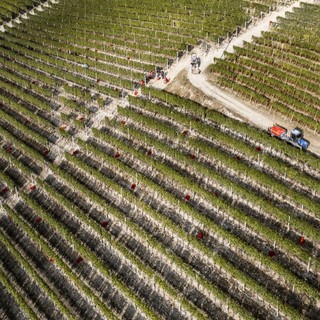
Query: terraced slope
[[280, 70], [152, 207]]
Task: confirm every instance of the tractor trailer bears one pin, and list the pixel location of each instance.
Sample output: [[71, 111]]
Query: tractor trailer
[[295, 137]]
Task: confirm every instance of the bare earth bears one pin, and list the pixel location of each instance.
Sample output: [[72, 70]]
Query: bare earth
[[199, 88]]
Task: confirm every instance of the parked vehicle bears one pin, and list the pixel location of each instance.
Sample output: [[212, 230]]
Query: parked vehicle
[[296, 137]]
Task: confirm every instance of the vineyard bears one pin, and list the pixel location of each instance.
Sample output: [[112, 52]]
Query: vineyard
[[280, 70], [120, 201]]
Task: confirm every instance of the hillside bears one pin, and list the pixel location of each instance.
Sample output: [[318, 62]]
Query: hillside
[[121, 201]]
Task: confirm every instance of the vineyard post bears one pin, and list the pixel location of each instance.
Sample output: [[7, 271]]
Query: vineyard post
[[309, 263]]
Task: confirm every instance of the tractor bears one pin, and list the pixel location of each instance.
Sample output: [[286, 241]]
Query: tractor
[[195, 63], [295, 138]]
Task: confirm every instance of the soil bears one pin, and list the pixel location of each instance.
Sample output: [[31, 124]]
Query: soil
[[184, 88]]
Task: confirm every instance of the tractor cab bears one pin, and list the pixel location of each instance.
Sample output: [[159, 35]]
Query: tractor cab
[[296, 134], [194, 60], [195, 63]]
